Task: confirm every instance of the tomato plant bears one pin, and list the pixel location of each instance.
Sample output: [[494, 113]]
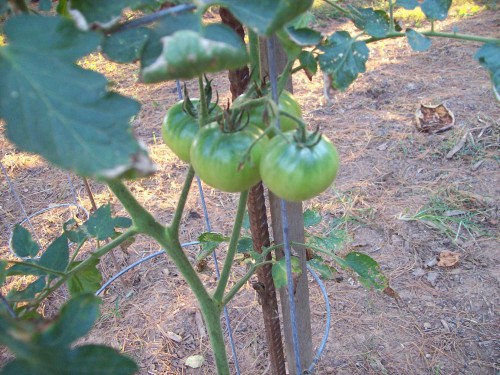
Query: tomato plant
[[44, 112], [296, 168], [228, 161]]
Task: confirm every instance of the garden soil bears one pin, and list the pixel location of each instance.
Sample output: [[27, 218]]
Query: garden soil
[[423, 204]]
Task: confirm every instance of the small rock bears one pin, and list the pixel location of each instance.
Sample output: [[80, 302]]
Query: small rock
[[427, 326], [418, 272], [432, 277], [432, 262], [173, 336]]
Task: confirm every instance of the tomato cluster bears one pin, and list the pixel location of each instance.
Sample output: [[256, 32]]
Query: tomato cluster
[[295, 165]]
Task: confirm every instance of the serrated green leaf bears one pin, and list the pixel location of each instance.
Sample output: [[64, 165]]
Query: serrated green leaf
[[417, 41], [22, 243], [489, 57], [407, 4], [88, 279], [122, 222], [206, 249], [126, 46], [332, 242], [343, 59], [245, 244], [265, 16], [212, 237], [436, 9], [278, 271], [325, 271], [92, 14], [304, 36], [373, 22], [76, 318], [56, 256], [367, 269], [246, 221], [311, 218], [24, 269], [74, 233], [47, 114], [29, 292], [187, 54], [308, 63], [101, 224]]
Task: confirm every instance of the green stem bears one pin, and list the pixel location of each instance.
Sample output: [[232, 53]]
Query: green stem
[[391, 16], [239, 284], [168, 239], [231, 251], [338, 7], [254, 51], [285, 75], [472, 38], [336, 258], [73, 257], [203, 116], [182, 201]]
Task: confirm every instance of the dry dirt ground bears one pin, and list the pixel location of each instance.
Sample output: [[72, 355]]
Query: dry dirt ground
[[398, 197]]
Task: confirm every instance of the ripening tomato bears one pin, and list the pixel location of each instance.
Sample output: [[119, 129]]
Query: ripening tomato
[[294, 170], [179, 128], [218, 157], [287, 103]]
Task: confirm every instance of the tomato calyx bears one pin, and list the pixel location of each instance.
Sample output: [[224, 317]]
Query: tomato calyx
[[189, 108], [304, 139]]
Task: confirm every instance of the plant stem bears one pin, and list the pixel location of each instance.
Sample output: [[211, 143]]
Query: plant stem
[[38, 267], [182, 201], [391, 16], [239, 284], [169, 240], [231, 251], [254, 51], [437, 34], [338, 7], [203, 116], [285, 75]]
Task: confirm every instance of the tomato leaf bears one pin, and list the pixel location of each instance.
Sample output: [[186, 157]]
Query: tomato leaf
[[489, 57], [56, 256], [304, 36], [29, 292], [278, 271], [187, 54], [212, 237], [436, 9], [126, 46], [311, 218], [88, 279], [75, 233], [45, 4], [265, 16], [47, 114], [22, 243], [308, 63], [407, 4], [92, 14], [367, 269], [325, 271], [4, 6], [245, 244], [417, 41], [76, 318], [373, 22], [101, 224], [343, 59]]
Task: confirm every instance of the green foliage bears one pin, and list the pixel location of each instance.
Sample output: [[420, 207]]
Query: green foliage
[[489, 57], [417, 41], [436, 9], [48, 350], [86, 279], [367, 269], [324, 270], [101, 225], [279, 271], [373, 22], [343, 59], [311, 218], [22, 243], [126, 46], [77, 134]]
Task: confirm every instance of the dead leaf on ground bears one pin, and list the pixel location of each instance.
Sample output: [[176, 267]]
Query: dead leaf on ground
[[434, 119], [448, 259]]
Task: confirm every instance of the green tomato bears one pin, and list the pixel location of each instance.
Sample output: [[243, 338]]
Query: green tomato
[[178, 130], [217, 157], [286, 103], [295, 171]]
